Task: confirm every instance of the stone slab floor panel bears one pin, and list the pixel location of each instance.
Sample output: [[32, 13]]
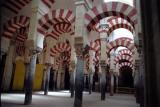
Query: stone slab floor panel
[[62, 99]]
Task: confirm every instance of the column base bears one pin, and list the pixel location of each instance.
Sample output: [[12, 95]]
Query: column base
[[72, 94], [72, 91], [103, 91], [28, 98], [79, 84], [111, 91], [90, 89], [77, 103]]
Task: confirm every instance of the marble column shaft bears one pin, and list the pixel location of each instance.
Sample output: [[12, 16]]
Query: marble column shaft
[[103, 82], [111, 83], [72, 84], [29, 76], [47, 77], [79, 83], [58, 80], [90, 82]]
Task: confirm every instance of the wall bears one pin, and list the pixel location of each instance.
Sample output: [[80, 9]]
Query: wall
[[19, 76]]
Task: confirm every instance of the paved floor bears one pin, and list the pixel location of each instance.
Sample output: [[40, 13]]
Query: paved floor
[[62, 99]]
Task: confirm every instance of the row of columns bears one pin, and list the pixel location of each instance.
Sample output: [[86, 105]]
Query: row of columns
[[76, 79]]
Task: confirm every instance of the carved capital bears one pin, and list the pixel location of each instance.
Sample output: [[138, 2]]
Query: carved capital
[[30, 50]]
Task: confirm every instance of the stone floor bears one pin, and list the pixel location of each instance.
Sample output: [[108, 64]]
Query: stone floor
[[62, 99]]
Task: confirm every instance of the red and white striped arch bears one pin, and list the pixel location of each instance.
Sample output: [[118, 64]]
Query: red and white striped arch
[[15, 5], [60, 47], [125, 52], [12, 26], [122, 10], [96, 46], [127, 39], [128, 64], [54, 17], [120, 42], [48, 3], [21, 35], [96, 60], [115, 23], [60, 60], [119, 23], [123, 57], [60, 29]]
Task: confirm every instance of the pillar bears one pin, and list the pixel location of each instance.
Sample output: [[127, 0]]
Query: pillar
[[55, 79], [72, 83], [90, 82], [103, 65], [112, 69], [111, 83], [29, 76], [47, 77], [116, 82], [58, 80], [79, 82], [103, 80], [62, 79], [31, 49], [117, 75], [7, 76], [91, 69], [80, 41]]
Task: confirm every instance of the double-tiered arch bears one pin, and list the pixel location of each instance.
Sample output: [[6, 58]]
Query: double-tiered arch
[[122, 10], [123, 57], [120, 42], [53, 17]]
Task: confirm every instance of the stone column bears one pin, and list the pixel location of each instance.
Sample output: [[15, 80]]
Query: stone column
[[30, 66], [7, 76], [90, 82], [55, 80], [103, 80], [79, 78], [31, 48], [80, 41], [72, 83], [117, 75], [58, 80], [79, 84], [91, 69], [103, 65], [62, 79], [112, 68], [47, 77], [116, 82], [111, 82]]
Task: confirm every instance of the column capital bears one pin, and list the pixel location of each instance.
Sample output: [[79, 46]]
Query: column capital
[[103, 63], [111, 70], [72, 66]]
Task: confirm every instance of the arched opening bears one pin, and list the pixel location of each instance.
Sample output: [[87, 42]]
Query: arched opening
[[66, 78], [126, 77]]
